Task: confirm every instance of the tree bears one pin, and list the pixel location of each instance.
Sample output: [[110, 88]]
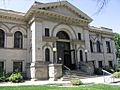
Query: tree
[[117, 44], [101, 4]]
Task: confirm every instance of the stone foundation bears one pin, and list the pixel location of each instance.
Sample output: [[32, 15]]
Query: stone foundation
[[55, 71], [39, 71]]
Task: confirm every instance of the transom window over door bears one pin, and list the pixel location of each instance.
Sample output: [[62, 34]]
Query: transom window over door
[[62, 35], [18, 40], [2, 38]]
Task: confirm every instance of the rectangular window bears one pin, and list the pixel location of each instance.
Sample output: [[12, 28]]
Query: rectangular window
[[47, 32], [79, 36], [18, 66], [100, 64], [1, 67], [110, 63], [108, 47]]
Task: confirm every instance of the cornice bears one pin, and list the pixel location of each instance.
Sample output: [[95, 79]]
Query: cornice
[[46, 6], [11, 15], [47, 15], [101, 32]]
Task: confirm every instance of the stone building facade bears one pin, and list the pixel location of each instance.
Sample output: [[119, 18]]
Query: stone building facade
[[57, 33]]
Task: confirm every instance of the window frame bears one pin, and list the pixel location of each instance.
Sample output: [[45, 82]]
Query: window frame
[[108, 46], [47, 32], [47, 55], [98, 47], [21, 67], [100, 64], [18, 40], [81, 55], [3, 67], [2, 38], [79, 36]]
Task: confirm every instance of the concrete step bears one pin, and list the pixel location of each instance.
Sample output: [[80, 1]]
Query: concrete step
[[68, 75]]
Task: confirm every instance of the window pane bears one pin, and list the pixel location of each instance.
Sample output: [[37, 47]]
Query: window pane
[[91, 46], [18, 40], [47, 55], [98, 46], [100, 64], [2, 38], [110, 64], [79, 36], [1, 67], [62, 35], [81, 55], [108, 47], [17, 66], [47, 32]]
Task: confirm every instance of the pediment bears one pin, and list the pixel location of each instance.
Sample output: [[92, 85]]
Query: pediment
[[64, 8]]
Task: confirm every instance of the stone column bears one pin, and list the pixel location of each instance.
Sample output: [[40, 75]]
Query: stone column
[[55, 71], [39, 70]]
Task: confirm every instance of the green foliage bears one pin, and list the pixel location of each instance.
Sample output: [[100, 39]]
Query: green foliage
[[98, 71], [76, 82], [117, 43], [116, 74], [117, 68], [16, 77], [2, 79]]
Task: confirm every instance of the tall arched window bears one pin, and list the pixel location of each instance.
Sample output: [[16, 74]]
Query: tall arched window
[[2, 38], [81, 55], [18, 40], [98, 46], [47, 55], [91, 45]]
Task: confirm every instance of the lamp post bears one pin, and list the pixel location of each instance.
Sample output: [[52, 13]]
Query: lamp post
[[86, 54], [54, 55]]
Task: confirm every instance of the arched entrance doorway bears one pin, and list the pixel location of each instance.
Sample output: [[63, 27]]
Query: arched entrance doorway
[[63, 49]]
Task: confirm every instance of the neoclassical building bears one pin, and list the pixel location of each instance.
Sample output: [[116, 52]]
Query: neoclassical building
[[52, 33]]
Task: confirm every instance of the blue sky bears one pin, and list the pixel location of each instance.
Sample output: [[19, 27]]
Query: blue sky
[[108, 17]]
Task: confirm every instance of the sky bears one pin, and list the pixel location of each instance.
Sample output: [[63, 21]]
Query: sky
[[109, 16]]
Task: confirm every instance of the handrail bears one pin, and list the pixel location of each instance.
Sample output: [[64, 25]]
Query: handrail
[[67, 68], [104, 71], [111, 75]]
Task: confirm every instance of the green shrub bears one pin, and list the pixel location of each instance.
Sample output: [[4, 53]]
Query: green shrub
[[116, 74], [76, 82], [16, 77], [117, 68], [2, 79], [98, 71]]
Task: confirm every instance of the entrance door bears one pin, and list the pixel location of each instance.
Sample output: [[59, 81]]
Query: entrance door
[[64, 54], [63, 49]]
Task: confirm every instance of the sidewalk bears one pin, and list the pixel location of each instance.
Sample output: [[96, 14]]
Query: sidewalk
[[95, 80]]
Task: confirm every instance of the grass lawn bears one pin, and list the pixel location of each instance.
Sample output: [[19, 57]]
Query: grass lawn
[[89, 87]]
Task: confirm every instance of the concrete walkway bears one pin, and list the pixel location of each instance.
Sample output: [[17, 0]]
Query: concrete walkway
[[96, 80]]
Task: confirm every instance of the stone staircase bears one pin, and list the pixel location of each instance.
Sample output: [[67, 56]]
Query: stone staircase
[[68, 75]]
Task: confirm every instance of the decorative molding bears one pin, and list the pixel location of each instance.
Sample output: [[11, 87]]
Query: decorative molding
[[63, 24], [9, 34]]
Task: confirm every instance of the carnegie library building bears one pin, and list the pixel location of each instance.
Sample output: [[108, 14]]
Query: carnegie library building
[[50, 38]]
